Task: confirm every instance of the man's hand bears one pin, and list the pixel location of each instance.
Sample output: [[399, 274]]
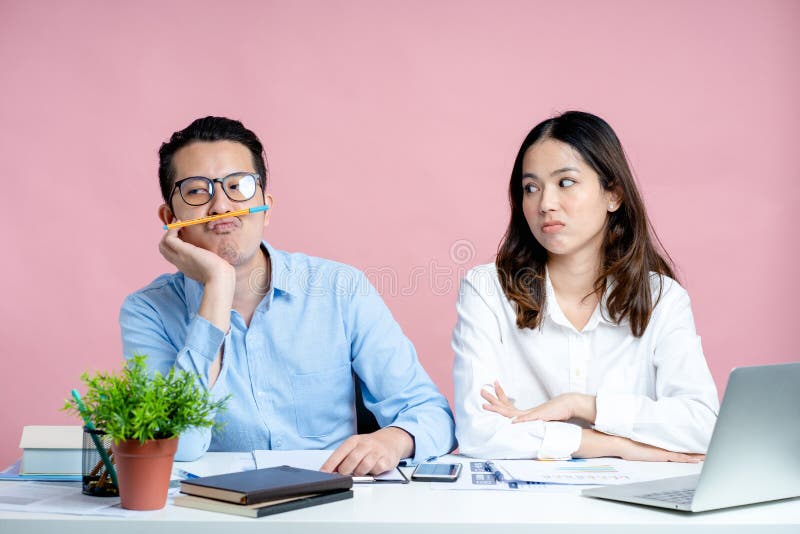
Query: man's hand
[[195, 262], [373, 453]]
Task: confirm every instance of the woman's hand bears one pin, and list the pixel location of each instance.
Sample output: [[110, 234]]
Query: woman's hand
[[596, 444], [633, 450], [558, 408], [561, 408], [500, 403]]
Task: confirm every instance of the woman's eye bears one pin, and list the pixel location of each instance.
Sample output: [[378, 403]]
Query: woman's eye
[[530, 188], [566, 182]]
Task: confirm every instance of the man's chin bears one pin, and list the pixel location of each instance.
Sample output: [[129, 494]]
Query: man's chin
[[230, 252]]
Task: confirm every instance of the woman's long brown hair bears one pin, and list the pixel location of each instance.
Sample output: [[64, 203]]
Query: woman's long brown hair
[[629, 255]]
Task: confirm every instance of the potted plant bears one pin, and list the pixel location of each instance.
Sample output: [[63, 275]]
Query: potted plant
[[144, 413]]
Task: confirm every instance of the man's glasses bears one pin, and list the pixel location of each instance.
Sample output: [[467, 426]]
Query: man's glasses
[[199, 190]]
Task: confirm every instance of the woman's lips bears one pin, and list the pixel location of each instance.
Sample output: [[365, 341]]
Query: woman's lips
[[552, 227]]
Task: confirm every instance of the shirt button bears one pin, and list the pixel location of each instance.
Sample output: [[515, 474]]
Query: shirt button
[[278, 443]]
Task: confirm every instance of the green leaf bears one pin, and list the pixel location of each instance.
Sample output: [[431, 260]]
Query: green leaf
[[137, 404]]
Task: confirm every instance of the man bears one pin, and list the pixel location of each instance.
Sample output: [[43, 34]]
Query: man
[[281, 333]]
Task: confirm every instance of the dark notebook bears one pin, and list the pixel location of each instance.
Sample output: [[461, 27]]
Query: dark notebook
[[261, 509], [260, 485]]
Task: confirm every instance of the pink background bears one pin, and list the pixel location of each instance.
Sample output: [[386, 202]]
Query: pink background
[[391, 128]]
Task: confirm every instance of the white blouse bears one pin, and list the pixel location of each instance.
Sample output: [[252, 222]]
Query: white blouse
[[654, 389]]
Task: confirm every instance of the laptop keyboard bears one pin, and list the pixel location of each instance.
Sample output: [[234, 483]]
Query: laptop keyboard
[[677, 496]]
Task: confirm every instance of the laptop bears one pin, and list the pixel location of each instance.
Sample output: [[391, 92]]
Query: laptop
[[754, 453]]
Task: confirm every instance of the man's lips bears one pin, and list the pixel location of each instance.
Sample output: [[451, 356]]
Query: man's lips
[[226, 224]]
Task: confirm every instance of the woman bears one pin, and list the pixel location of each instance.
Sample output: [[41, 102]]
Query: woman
[[578, 341]]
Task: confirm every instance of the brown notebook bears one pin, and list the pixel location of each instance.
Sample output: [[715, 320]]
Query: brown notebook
[[265, 508], [260, 485]]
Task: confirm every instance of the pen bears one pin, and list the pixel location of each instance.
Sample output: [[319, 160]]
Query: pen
[[185, 474], [405, 462], [490, 467], [97, 445], [201, 220]]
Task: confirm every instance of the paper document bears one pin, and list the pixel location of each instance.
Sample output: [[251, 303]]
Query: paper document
[[215, 464], [568, 476], [481, 475], [587, 472], [58, 498], [314, 460]]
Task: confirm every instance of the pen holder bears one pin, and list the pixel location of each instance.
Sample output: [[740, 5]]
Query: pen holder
[[96, 479]]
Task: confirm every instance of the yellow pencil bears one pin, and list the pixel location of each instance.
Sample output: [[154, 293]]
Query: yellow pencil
[[201, 220]]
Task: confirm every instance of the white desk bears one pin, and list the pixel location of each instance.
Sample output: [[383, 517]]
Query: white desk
[[414, 508]]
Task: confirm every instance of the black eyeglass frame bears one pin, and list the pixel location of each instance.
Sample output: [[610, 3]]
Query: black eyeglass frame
[[211, 182]]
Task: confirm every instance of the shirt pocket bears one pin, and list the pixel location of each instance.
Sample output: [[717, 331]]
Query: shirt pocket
[[323, 401]]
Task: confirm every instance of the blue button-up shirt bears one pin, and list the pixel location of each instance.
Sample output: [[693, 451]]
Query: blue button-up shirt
[[289, 373]]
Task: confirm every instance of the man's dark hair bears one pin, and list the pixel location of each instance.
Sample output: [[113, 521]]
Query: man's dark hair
[[208, 129]]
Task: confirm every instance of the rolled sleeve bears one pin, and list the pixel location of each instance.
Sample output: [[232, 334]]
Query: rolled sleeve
[[204, 339], [560, 441], [203, 343], [616, 413], [431, 426]]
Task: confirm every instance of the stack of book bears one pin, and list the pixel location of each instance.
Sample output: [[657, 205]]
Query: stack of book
[[51, 450], [262, 492]]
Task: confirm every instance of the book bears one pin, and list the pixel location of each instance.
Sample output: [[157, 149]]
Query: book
[[265, 508], [51, 450], [12, 473], [260, 485]]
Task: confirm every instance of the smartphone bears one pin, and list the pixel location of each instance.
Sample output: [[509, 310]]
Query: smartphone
[[436, 472]]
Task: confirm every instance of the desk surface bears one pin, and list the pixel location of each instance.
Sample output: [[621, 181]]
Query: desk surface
[[417, 507]]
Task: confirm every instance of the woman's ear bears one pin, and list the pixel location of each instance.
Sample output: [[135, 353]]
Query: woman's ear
[[614, 199]]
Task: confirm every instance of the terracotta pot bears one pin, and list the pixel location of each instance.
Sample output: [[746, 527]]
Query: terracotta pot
[[144, 472]]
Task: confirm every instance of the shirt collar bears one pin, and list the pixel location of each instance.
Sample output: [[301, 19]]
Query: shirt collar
[[553, 310], [282, 276]]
